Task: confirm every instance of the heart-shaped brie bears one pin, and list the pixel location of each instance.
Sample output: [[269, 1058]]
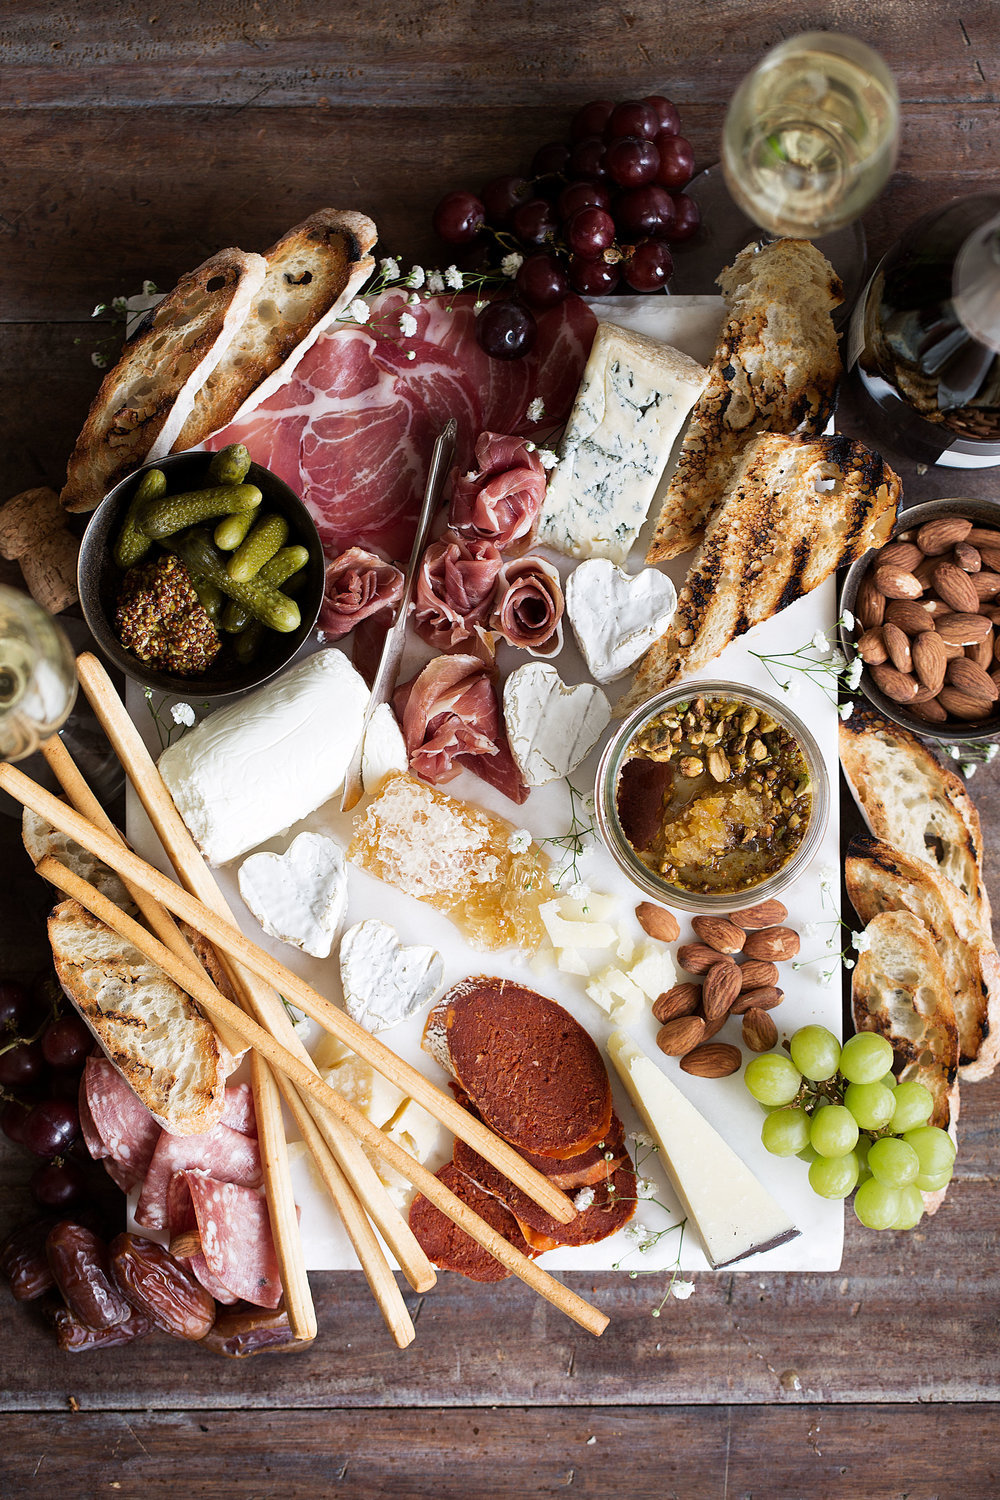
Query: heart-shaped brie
[[616, 616], [384, 982], [300, 896], [551, 727]]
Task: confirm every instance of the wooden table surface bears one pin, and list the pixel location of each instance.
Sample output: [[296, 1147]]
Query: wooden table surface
[[137, 139]]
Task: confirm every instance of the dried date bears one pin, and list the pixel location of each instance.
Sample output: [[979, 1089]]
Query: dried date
[[23, 1261], [240, 1332], [157, 1285], [78, 1259], [74, 1337]]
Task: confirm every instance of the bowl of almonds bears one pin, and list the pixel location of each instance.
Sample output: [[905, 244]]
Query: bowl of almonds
[[926, 612]]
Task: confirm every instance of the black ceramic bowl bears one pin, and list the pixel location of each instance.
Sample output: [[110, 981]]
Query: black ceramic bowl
[[980, 513], [99, 579]]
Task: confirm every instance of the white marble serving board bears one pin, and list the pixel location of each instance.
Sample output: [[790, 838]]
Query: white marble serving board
[[691, 323]]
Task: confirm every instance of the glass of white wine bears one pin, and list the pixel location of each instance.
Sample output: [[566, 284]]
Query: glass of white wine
[[37, 675]]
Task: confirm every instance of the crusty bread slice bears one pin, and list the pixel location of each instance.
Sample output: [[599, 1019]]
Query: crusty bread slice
[[312, 273], [880, 878], [159, 1041], [148, 396], [912, 801], [797, 509], [40, 838], [775, 370]]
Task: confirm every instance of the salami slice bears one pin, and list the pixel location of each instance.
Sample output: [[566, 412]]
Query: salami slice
[[223, 1154], [182, 1220], [236, 1243], [450, 1247], [121, 1121], [91, 1135], [238, 1111]]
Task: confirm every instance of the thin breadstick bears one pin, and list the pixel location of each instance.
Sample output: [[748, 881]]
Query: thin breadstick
[[407, 1078], [201, 989]]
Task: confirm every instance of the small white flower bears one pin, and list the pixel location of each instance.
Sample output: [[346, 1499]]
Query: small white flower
[[827, 875], [848, 963], [453, 278], [591, 1441], [820, 641], [149, 289], [825, 976], [479, 304], [968, 769], [845, 710], [407, 325], [854, 671], [119, 305], [417, 277], [411, 353], [682, 1289], [635, 1232], [847, 620], [99, 359], [389, 267], [810, 929], [519, 841], [641, 1139], [536, 410], [954, 752], [583, 1199], [414, 299], [991, 753], [435, 281], [861, 941], [838, 661], [359, 310], [645, 1188], [100, 308], [547, 458], [512, 263], [182, 713], [579, 890]]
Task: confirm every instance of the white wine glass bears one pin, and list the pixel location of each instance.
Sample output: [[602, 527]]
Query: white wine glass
[[37, 675]]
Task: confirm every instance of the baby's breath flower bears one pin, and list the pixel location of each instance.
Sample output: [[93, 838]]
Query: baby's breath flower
[[847, 620], [519, 841], [435, 282], [182, 713], [101, 307], [389, 266], [359, 310], [634, 1232], [845, 710], [149, 289], [968, 769], [414, 299], [119, 305], [479, 304], [954, 752], [681, 1289], [407, 325], [640, 1139], [861, 941], [645, 1188], [454, 278], [417, 277], [820, 642], [99, 359], [512, 263], [583, 1199], [536, 410], [547, 458], [854, 671], [827, 875], [411, 353]]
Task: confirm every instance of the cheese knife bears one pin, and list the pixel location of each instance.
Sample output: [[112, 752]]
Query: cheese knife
[[392, 649]]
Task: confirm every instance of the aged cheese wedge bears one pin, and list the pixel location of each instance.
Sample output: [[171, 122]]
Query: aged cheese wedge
[[384, 982], [734, 1214], [551, 727], [616, 616], [635, 395], [300, 896]]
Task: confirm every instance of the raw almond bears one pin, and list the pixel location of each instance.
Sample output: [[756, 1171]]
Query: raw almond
[[722, 985], [961, 629], [967, 557], [759, 1031], [895, 685], [871, 646], [983, 536], [757, 974], [956, 588], [898, 647], [934, 607], [682, 1000], [679, 1036], [764, 914], [922, 695], [990, 554], [929, 659], [870, 604], [909, 615], [766, 998], [712, 1027], [931, 711], [991, 611], [924, 571], [897, 583], [951, 650], [982, 652], [776, 943], [697, 958], [936, 537], [971, 679], [899, 554], [720, 934], [986, 584], [657, 922], [962, 706], [713, 1060]]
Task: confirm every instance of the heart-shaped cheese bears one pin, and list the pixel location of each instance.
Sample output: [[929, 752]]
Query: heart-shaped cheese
[[617, 616], [384, 982], [300, 896], [551, 727]]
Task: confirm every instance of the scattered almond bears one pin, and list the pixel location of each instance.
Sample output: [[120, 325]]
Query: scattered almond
[[722, 985], [696, 958], [776, 943], [900, 554], [713, 1027], [967, 557], [930, 711], [766, 998], [897, 583], [679, 1036], [990, 554], [682, 1000], [657, 922], [872, 648], [757, 973], [983, 536], [963, 706], [982, 652], [937, 536], [986, 585], [898, 647], [713, 1060], [760, 1033], [956, 588], [764, 914], [719, 933]]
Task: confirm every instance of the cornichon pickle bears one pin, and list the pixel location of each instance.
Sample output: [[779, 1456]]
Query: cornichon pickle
[[231, 465], [261, 600], [247, 643], [161, 518], [133, 544], [284, 568], [210, 595], [266, 537], [232, 529]]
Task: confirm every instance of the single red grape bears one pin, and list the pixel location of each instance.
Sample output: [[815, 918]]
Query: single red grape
[[60, 1184], [588, 159], [687, 218], [51, 1127], [506, 330], [15, 1006], [542, 281], [534, 222], [550, 159], [666, 113], [633, 118], [592, 278], [459, 218], [500, 197], [591, 119], [632, 161], [649, 266], [579, 195], [644, 211], [66, 1042], [676, 166], [22, 1063], [589, 232]]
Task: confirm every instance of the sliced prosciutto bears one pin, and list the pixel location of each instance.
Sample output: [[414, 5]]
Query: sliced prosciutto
[[121, 1122], [456, 582], [359, 584], [352, 431], [500, 500], [222, 1153], [529, 605], [451, 721], [237, 1256]]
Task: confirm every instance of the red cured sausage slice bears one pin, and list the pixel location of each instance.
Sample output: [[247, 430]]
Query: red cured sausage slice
[[450, 1247], [182, 1220], [589, 1167], [91, 1136], [223, 1154], [121, 1121], [531, 1070], [612, 1206], [237, 1249], [238, 1111]]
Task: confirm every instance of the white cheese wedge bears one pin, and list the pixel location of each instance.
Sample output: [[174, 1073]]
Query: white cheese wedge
[[616, 616], [734, 1214], [359, 1083], [593, 906], [298, 897], [551, 727], [420, 1135], [634, 398], [384, 982], [617, 995], [652, 969], [251, 770], [384, 751]]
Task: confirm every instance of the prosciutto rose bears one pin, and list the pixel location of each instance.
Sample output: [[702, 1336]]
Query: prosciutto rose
[[528, 607], [455, 587], [359, 584], [501, 499], [451, 721]]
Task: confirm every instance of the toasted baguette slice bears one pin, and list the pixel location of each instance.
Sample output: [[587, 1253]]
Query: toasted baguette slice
[[159, 1041], [796, 510], [149, 393], [880, 878], [312, 273], [40, 838], [913, 802], [775, 370]]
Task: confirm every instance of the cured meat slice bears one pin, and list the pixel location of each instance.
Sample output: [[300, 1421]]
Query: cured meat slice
[[352, 431], [451, 720], [531, 1070], [500, 501], [589, 1167], [529, 606], [223, 1153], [91, 1136], [121, 1121], [359, 584], [450, 1247], [237, 1248], [182, 1221], [456, 582], [238, 1111], [612, 1205]]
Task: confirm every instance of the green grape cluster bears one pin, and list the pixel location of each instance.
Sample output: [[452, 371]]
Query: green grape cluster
[[842, 1110]]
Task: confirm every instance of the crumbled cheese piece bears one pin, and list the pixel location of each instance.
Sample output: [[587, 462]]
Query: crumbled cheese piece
[[653, 970], [581, 934]]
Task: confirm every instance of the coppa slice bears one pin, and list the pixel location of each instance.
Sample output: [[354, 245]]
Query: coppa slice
[[450, 1247], [530, 1069], [613, 1202]]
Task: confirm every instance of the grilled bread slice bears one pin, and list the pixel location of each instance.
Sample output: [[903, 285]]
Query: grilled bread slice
[[775, 370], [913, 802], [41, 839], [795, 511], [148, 395], [880, 878], [312, 274], [155, 1035]]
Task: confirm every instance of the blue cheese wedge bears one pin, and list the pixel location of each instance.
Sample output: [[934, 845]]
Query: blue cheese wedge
[[384, 982], [734, 1214], [616, 616], [298, 897], [633, 401], [551, 727]]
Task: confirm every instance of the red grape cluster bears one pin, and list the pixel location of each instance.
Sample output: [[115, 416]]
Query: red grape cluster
[[596, 215]]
